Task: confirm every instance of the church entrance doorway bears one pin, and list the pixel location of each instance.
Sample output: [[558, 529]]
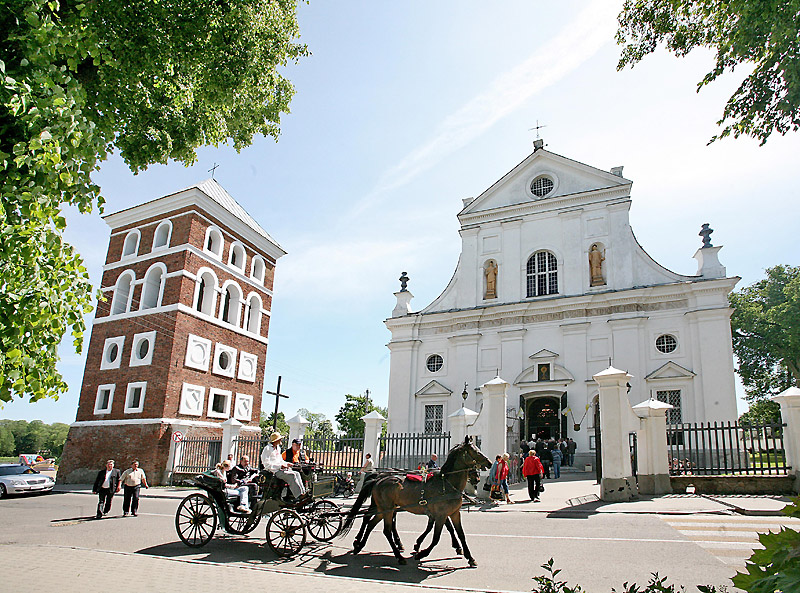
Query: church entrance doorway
[[543, 418]]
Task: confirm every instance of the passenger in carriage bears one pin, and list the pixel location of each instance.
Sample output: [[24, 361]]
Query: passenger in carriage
[[272, 460], [242, 475], [295, 454], [242, 491]]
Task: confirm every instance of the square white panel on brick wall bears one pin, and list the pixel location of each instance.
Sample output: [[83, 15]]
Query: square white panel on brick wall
[[198, 353], [219, 403], [248, 364], [112, 353], [192, 397], [144, 345], [224, 360], [243, 408]]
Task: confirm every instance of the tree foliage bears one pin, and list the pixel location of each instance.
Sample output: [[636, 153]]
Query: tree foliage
[[761, 34], [153, 79], [763, 411], [348, 418], [266, 423], [766, 332], [20, 436], [319, 426]]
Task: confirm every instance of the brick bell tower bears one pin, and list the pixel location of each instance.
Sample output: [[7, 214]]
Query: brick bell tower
[[180, 341]]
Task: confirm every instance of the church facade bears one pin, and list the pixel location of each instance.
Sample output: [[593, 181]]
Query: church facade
[[551, 287], [178, 346]]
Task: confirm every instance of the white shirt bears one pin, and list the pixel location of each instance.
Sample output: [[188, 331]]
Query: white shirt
[[107, 482], [271, 458]]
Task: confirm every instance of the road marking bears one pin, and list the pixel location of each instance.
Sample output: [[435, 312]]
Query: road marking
[[574, 538]]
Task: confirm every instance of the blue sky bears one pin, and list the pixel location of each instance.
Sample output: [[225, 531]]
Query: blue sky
[[402, 110]]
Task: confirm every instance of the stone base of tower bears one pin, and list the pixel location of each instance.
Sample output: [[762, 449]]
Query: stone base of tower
[[88, 447]]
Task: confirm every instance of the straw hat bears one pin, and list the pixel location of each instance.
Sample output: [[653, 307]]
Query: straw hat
[[274, 437]]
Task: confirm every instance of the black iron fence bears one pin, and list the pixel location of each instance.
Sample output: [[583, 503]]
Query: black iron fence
[[633, 445], [335, 454], [410, 450], [707, 449], [251, 446], [198, 455]]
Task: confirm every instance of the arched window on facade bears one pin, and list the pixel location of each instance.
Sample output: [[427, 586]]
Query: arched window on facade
[[205, 296], [236, 256], [130, 247], [153, 287], [258, 269], [162, 235], [214, 241], [542, 274], [252, 321], [122, 293], [231, 304]]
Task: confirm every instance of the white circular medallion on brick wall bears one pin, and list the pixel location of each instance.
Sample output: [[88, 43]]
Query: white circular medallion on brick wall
[[198, 353]]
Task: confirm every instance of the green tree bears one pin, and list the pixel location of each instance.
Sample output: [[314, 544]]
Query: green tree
[[7, 447], [319, 426], [55, 437], [266, 423], [763, 411], [757, 34], [766, 332], [18, 429], [34, 438], [348, 418], [151, 79]]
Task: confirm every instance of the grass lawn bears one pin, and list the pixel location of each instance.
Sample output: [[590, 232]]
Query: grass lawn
[[9, 459], [765, 460]]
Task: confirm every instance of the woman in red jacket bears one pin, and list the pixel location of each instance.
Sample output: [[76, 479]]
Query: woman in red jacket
[[532, 470], [501, 477]]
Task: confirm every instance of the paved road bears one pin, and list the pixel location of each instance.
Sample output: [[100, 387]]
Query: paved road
[[597, 551]]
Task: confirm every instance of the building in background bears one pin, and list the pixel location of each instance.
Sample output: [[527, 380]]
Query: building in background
[[180, 341], [550, 287]]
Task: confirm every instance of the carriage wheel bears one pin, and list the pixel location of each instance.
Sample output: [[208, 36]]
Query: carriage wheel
[[238, 524], [286, 532], [196, 520], [324, 520]]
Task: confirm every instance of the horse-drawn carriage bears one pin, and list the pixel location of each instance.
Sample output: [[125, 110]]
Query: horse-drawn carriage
[[199, 515]]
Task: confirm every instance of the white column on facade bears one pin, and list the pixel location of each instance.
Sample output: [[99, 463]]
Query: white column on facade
[[297, 427], [230, 432], [510, 278], [468, 290], [652, 452], [401, 383], [627, 348], [571, 275], [616, 417], [789, 401], [466, 369], [460, 423], [621, 246], [373, 423], [574, 360]]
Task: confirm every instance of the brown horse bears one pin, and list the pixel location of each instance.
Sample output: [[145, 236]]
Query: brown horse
[[439, 498]]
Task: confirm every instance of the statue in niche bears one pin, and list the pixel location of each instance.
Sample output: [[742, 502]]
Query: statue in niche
[[596, 260], [491, 280]]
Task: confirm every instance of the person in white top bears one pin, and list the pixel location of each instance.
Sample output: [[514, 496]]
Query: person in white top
[[368, 466], [132, 480], [221, 472], [272, 460]]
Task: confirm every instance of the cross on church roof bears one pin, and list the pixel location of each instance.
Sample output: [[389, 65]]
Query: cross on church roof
[[537, 127], [213, 170]]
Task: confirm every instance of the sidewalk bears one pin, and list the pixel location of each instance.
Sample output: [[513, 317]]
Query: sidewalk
[[573, 493]]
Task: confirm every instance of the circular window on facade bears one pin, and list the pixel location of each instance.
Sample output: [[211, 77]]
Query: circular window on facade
[[666, 343], [224, 361], [542, 186], [434, 363], [113, 352], [143, 349]]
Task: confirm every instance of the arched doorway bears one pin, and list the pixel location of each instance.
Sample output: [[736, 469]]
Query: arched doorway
[[542, 416]]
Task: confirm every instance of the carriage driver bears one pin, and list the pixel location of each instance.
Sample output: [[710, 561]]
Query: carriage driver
[[294, 454], [272, 460]]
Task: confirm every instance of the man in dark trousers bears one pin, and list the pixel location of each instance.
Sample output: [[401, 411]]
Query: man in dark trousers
[[106, 485]]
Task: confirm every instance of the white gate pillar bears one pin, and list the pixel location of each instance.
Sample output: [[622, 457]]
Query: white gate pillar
[[373, 423], [493, 439], [297, 428], [230, 432], [458, 422], [617, 483], [652, 454], [789, 401]]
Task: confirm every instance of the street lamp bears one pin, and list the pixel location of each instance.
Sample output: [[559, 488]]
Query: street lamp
[[464, 395]]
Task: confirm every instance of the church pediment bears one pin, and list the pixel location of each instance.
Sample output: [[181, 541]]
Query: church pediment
[[543, 176], [670, 371], [544, 374], [543, 354], [434, 389]]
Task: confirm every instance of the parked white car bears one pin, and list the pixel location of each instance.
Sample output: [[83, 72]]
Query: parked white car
[[16, 478]]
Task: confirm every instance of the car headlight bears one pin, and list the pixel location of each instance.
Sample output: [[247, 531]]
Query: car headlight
[[19, 483]]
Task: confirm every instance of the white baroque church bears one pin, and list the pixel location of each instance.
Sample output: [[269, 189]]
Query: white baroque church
[[551, 287]]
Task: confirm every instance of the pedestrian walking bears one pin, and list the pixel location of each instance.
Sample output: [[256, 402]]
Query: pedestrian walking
[[556, 454], [106, 485], [572, 446], [532, 470], [501, 477], [132, 480], [546, 458], [562, 446]]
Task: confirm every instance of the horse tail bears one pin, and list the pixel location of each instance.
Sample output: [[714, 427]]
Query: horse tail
[[366, 491]]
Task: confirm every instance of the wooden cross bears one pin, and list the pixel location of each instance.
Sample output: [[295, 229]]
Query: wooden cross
[[213, 169], [278, 395], [537, 127]]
